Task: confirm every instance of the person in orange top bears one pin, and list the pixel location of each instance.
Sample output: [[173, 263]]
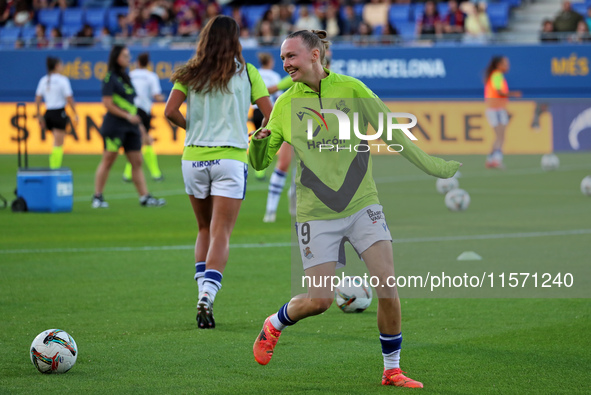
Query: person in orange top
[[496, 96]]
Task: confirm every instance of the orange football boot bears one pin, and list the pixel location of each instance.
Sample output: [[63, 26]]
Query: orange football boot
[[396, 378], [265, 342]]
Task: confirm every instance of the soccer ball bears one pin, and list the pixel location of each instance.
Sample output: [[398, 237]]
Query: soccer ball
[[457, 200], [444, 185], [54, 351], [550, 162], [586, 186], [353, 295]]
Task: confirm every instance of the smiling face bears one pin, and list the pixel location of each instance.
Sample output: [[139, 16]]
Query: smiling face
[[299, 61]]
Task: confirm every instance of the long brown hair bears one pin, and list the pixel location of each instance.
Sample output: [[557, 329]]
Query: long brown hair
[[214, 63], [492, 66]]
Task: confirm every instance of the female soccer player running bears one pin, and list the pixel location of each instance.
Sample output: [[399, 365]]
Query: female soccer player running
[[219, 87], [336, 195], [496, 96], [56, 91]]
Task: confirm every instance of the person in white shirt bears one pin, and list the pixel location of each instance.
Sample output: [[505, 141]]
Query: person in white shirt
[[55, 90], [147, 88]]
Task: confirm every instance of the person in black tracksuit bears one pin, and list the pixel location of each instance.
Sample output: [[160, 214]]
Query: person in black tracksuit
[[121, 129]]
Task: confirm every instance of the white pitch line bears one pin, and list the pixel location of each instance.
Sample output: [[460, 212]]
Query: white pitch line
[[166, 192], [263, 186], [573, 232], [495, 236]]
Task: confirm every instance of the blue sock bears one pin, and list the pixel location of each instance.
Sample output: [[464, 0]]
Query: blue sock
[[212, 283], [199, 275], [276, 185], [391, 350], [281, 320]]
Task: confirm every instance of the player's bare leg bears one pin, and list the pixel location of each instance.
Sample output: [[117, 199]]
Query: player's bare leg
[[222, 213], [495, 159], [316, 301]]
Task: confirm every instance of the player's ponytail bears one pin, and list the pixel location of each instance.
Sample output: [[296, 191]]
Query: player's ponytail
[[314, 39], [51, 64]]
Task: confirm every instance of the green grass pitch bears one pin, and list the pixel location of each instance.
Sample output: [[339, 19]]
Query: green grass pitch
[[120, 281]]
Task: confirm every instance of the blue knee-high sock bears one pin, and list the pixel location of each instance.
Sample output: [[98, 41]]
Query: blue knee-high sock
[[276, 185], [391, 350], [281, 320], [200, 275], [212, 283]]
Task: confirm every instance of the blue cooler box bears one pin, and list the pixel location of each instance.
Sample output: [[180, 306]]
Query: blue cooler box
[[46, 190]]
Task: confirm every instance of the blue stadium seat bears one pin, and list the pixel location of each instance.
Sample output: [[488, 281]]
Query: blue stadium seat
[[512, 3], [581, 8], [254, 13], [95, 3], [70, 30], [112, 16], [49, 17], [406, 30], [29, 32], [377, 31], [72, 17], [399, 13], [227, 10], [498, 13], [10, 33], [95, 17], [358, 8], [8, 37], [443, 9], [417, 12]]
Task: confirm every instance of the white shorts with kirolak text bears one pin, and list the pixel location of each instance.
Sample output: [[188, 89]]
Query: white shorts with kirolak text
[[220, 177]]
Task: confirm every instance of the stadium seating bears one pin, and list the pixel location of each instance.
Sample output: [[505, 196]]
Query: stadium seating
[[443, 9], [358, 8], [70, 30], [512, 3], [399, 13], [417, 11], [253, 14], [29, 32], [406, 30], [112, 16], [99, 13], [95, 3], [73, 17], [10, 33], [49, 17], [581, 8], [498, 13], [95, 17]]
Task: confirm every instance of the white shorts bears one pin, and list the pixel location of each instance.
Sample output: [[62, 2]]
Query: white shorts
[[220, 177], [497, 117], [323, 241]]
